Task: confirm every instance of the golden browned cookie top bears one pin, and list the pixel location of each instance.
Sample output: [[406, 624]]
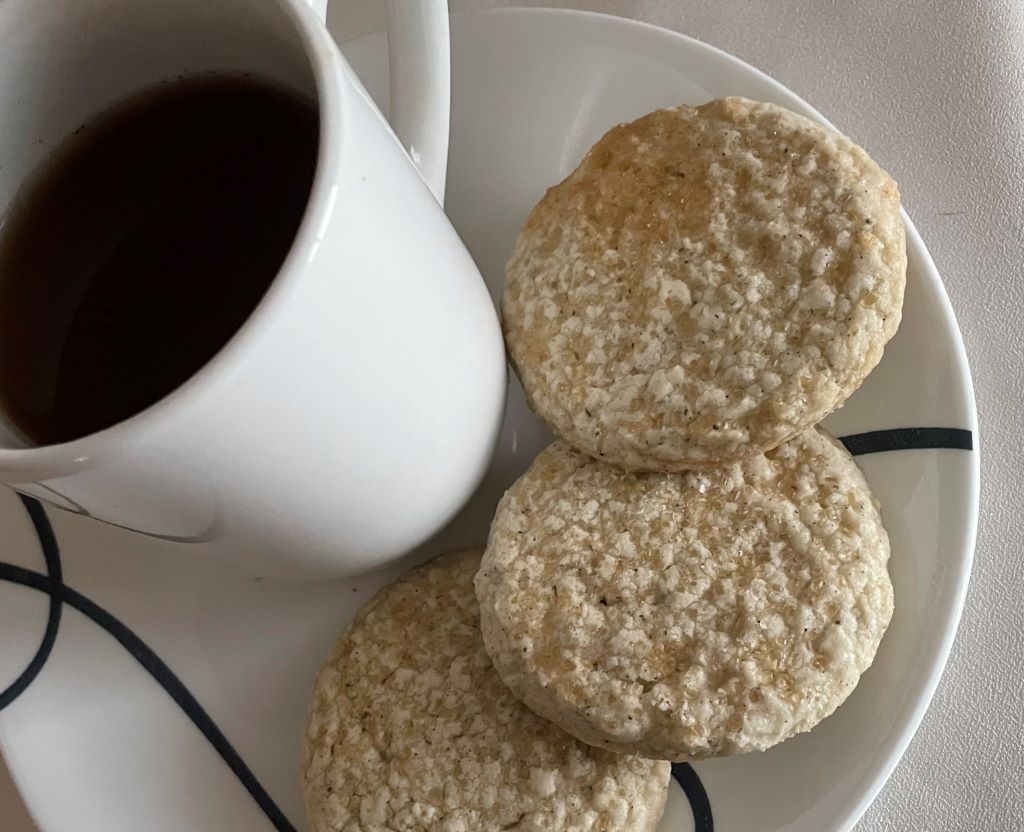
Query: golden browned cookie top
[[683, 616], [706, 284], [410, 728]]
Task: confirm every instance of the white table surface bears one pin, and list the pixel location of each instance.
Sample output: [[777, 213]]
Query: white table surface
[[935, 91]]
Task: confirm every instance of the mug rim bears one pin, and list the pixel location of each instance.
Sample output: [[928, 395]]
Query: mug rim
[[321, 52]]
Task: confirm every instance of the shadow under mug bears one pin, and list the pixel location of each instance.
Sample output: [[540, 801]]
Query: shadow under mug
[[357, 408]]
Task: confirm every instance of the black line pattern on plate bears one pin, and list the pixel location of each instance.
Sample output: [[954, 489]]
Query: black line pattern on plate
[[904, 439], [52, 584], [51, 554], [700, 806], [60, 594]]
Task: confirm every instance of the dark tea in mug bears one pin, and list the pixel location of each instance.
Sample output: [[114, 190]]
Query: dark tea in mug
[[142, 244]]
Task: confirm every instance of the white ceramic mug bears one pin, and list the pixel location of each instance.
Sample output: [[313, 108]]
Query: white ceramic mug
[[355, 411]]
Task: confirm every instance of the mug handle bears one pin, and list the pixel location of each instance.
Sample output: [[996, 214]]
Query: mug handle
[[419, 65], [420, 68]]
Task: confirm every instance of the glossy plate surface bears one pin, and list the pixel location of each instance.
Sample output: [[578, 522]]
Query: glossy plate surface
[[174, 695]]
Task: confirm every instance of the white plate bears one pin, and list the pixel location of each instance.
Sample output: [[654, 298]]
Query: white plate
[[95, 742]]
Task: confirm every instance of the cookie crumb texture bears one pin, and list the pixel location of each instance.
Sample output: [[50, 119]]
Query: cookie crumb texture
[[410, 728], [685, 616], [709, 282]]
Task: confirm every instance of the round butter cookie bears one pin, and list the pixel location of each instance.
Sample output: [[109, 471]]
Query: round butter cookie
[[410, 728], [708, 283], [684, 616]]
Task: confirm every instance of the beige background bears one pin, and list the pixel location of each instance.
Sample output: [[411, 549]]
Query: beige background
[[935, 90]]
